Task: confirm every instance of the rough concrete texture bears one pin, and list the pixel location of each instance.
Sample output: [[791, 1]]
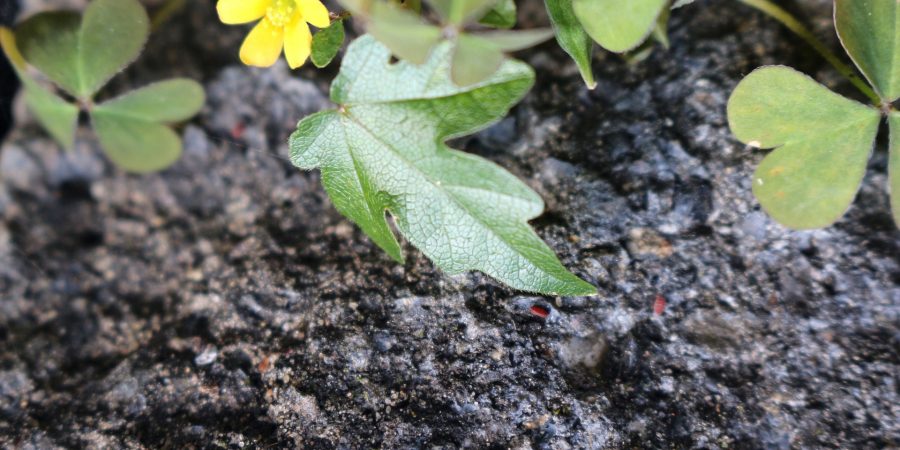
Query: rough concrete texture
[[224, 303]]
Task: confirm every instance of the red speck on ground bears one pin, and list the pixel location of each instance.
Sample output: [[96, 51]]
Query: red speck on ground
[[659, 305], [540, 311], [264, 365], [237, 131]]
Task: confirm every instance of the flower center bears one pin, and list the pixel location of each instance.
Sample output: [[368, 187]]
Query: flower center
[[281, 12]]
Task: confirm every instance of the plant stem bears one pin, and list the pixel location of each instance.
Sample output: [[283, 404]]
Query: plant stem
[[778, 13], [165, 12]]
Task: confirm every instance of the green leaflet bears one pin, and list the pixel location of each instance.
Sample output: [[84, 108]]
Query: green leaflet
[[894, 165], [166, 101], [477, 55], [619, 25], [136, 145], [49, 41], [502, 15], [326, 44], [459, 12], [82, 54], [384, 150], [870, 32], [474, 60], [572, 37], [131, 127], [822, 142], [56, 115], [513, 41], [403, 32]]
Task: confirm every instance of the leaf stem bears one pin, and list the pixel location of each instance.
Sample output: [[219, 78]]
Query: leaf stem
[[778, 13]]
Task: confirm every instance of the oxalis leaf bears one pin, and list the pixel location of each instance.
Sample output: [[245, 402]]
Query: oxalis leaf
[[459, 12], [619, 25], [56, 115], [822, 142], [476, 55], [383, 151], [82, 54], [502, 15], [132, 127], [870, 32]]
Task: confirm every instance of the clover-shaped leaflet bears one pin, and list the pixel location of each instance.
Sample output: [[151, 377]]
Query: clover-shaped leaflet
[[822, 140]]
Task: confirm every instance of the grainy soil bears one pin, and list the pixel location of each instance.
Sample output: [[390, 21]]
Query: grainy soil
[[224, 303]]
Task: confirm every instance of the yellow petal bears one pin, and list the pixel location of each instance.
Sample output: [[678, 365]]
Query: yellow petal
[[263, 45], [234, 12], [314, 12], [297, 43]]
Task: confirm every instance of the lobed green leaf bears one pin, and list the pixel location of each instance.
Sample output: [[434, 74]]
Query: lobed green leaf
[[384, 151], [822, 142]]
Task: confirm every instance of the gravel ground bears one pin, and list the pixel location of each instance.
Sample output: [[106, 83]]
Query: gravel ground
[[224, 303]]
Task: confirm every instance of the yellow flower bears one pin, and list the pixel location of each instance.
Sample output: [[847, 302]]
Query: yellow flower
[[283, 24]]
